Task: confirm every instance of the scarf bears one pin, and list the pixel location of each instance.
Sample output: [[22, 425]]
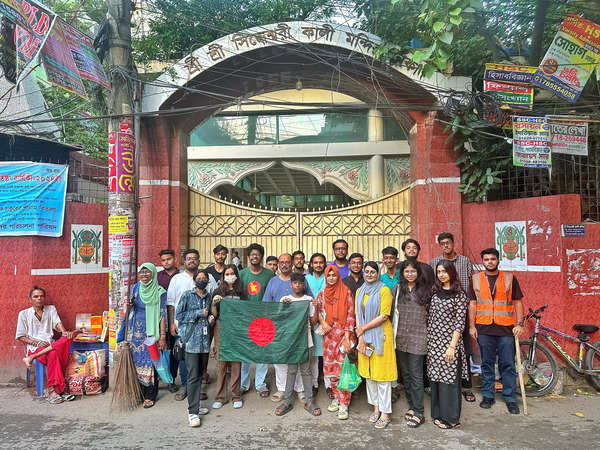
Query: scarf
[[373, 336], [150, 294], [336, 299]]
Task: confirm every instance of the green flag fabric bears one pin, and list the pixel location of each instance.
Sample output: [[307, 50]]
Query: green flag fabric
[[269, 333]]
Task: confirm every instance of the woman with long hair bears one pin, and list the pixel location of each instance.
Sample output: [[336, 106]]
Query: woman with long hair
[[230, 287], [411, 303], [446, 360], [335, 309], [376, 357]]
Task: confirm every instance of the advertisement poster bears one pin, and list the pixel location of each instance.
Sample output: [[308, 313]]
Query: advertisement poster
[[58, 62], [511, 243], [531, 142], [121, 154], [571, 58], [512, 95], [509, 73], [570, 138], [32, 198]]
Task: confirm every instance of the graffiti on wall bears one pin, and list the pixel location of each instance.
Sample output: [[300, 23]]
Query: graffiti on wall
[[583, 271], [511, 243]]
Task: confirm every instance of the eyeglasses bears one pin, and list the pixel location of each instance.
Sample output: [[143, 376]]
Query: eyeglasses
[[339, 248]]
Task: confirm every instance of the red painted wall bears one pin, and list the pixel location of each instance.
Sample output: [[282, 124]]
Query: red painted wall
[[70, 293]]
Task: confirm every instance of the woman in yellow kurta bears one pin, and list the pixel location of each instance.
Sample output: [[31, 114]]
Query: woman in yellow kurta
[[376, 355]]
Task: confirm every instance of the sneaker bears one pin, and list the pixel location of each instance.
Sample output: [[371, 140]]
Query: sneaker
[[512, 407], [333, 406], [342, 412], [194, 420], [238, 405], [217, 405], [487, 402], [203, 411]]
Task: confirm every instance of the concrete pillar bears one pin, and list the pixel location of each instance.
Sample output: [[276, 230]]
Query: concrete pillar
[[376, 176], [375, 126]]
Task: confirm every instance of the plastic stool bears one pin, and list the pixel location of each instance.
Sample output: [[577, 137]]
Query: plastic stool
[[40, 375]]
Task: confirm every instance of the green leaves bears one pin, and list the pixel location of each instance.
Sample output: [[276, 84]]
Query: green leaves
[[446, 37], [438, 26]]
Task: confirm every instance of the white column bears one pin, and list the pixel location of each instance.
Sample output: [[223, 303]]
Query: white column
[[375, 125], [376, 176]]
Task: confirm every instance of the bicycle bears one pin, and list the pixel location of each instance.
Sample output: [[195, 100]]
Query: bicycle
[[540, 366]]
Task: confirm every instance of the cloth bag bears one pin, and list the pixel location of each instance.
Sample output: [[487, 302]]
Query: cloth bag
[[349, 377]]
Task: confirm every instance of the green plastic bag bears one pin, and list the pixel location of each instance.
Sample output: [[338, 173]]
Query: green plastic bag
[[349, 378]]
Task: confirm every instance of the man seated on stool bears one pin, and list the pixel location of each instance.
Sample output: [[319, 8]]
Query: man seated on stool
[[35, 328]]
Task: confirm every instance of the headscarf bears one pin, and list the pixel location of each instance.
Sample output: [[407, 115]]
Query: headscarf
[[373, 336], [150, 294], [336, 299]]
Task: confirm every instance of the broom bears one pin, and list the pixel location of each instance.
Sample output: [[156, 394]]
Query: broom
[[127, 394]]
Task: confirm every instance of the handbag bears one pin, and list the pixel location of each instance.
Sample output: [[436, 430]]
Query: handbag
[[179, 344]]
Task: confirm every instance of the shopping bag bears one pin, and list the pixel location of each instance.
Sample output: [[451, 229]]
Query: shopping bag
[[162, 367], [349, 378]]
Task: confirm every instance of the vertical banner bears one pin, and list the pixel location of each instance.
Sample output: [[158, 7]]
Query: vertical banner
[[30, 39], [570, 138], [32, 198], [84, 55], [121, 160], [571, 58], [58, 62], [531, 142]]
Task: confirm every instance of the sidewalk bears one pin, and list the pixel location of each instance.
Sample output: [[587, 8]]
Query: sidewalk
[[88, 423]]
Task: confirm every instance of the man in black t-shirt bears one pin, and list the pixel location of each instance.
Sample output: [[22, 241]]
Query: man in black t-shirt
[[495, 317], [216, 270]]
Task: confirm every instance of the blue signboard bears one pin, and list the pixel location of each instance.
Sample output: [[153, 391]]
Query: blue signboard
[[32, 198]]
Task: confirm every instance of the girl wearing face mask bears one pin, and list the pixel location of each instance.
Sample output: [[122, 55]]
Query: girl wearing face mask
[[229, 288], [195, 319]]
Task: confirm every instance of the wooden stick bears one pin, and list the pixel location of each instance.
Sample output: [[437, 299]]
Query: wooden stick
[[128, 297], [521, 383]]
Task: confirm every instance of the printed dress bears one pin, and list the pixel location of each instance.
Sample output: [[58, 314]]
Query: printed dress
[[333, 357], [447, 313]]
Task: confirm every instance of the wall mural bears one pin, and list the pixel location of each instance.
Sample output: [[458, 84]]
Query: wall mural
[[397, 173], [204, 176]]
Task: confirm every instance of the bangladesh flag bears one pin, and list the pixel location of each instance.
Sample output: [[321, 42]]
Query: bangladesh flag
[[269, 333]]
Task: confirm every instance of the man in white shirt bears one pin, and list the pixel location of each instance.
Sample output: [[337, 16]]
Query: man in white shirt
[[35, 329]]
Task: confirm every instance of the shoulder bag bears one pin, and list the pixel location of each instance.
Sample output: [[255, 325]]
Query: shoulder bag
[[179, 344]]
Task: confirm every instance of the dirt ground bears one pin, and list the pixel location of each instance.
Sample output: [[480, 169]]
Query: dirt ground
[[565, 421]]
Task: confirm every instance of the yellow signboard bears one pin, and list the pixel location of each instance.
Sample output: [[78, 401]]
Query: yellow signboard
[[118, 224]]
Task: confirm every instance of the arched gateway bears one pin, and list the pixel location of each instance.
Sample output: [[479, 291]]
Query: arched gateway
[[275, 72]]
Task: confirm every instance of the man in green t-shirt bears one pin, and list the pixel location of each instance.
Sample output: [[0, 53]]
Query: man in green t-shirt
[[254, 280]]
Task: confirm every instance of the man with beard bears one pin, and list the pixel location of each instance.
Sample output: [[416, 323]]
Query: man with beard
[[411, 249], [495, 317], [216, 270], [298, 259], [355, 279], [340, 251]]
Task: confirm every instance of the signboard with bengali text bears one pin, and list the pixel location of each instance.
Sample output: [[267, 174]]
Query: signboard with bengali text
[[531, 142]]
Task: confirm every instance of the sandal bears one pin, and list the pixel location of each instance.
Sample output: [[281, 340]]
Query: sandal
[[374, 417], [469, 396], [264, 394], [276, 397], [312, 408], [181, 395], [445, 425], [283, 409], [330, 393], [409, 414], [68, 397], [382, 423], [415, 421], [54, 398], [148, 404]]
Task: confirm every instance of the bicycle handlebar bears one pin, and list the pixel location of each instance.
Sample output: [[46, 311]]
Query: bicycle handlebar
[[535, 313]]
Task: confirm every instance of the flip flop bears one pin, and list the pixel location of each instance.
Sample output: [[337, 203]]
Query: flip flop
[[148, 404], [283, 409], [469, 396], [382, 423], [312, 408], [374, 417], [409, 414], [54, 399], [276, 397], [264, 394], [181, 395], [445, 425], [68, 397]]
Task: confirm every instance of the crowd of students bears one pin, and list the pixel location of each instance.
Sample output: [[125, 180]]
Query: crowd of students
[[406, 324]]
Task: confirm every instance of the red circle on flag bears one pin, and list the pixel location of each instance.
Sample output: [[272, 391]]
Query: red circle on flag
[[261, 331]]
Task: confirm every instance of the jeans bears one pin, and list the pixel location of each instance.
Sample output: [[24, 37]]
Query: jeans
[[411, 367], [504, 348], [259, 376]]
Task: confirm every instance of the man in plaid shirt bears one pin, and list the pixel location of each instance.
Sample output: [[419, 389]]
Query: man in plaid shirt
[[464, 268]]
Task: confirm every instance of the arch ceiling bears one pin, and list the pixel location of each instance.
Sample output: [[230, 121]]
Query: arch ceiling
[[273, 57]]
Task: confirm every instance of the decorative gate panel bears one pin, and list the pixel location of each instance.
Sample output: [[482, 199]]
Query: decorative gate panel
[[368, 227]]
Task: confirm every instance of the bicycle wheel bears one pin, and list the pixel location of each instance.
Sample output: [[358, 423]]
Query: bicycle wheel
[[592, 362], [541, 374]]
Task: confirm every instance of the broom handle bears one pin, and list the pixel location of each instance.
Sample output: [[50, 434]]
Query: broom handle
[[128, 288], [521, 383]]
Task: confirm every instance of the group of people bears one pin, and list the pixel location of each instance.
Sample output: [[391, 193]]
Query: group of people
[[404, 323]]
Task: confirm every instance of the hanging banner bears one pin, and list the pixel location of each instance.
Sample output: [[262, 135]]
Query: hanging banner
[[570, 138], [531, 142], [509, 73], [121, 154], [32, 198], [30, 39], [8, 53], [11, 9], [512, 95], [84, 55], [571, 58], [58, 62]]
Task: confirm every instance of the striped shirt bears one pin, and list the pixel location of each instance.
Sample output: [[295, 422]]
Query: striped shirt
[[464, 268]]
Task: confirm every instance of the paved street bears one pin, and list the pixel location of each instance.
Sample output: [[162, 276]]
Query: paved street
[[29, 423]]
